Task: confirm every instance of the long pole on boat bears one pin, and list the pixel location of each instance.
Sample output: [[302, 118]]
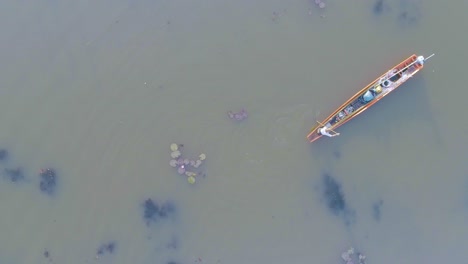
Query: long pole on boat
[[429, 57], [425, 59], [327, 128]]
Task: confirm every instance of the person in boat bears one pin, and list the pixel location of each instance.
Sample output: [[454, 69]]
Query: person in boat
[[324, 131], [420, 60], [371, 93]]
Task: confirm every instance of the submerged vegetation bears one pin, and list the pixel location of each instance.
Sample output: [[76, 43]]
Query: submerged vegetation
[[153, 211], [407, 12], [48, 181], [106, 248], [191, 169], [335, 199], [376, 210], [3, 154], [14, 175], [333, 195]]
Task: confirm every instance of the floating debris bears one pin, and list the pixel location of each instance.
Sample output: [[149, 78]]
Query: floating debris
[[202, 156], [181, 170], [191, 179], [175, 154], [361, 258], [185, 166], [190, 174], [238, 116], [275, 17], [174, 147], [197, 163], [351, 257], [347, 255], [48, 181], [320, 4], [14, 175]]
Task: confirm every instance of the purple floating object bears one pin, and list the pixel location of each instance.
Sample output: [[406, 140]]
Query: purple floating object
[[239, 116], [186, 161], [318, 1], [322, 5], [180, 162], [181, 170], [243, 112]]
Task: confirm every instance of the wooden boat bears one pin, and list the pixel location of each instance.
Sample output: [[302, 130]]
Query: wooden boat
[[368, 96]]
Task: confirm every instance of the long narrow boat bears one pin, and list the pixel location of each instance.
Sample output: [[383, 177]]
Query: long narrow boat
[[368, 96]]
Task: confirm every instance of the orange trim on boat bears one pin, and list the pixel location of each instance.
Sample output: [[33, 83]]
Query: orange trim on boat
[[377, 89]]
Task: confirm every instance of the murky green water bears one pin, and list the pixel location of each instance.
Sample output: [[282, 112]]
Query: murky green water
[[99, 90]]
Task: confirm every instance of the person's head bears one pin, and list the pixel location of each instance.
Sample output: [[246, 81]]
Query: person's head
[[420, 60], [378, 89]]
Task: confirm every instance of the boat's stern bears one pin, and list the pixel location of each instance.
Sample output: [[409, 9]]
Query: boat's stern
[[313, 134]]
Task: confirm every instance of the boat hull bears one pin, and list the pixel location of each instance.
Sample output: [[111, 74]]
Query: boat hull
[[356, 104]]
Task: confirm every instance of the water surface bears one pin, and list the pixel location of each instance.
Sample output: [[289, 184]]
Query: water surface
[[99, 90]]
